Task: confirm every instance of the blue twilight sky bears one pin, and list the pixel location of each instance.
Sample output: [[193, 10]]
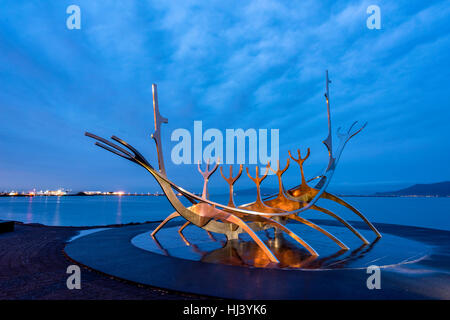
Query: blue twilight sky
[[232, 64]]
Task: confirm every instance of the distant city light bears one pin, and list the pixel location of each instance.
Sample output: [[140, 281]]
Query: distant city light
[[66, 192]]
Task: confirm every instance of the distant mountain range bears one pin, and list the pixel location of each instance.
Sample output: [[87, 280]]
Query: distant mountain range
[[440, 189]]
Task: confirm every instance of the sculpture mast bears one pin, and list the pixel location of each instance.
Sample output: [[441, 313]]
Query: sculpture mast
[[328, 141], [157, 133]]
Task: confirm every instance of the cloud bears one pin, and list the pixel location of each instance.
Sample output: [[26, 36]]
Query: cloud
[[255, 64]]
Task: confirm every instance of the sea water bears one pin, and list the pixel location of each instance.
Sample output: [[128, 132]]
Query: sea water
[[107, 210]]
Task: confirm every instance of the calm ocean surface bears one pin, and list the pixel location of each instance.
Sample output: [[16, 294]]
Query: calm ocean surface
[[105, 210]]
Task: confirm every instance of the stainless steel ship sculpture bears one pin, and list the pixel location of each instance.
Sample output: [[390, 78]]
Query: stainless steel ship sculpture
[[272, 212]]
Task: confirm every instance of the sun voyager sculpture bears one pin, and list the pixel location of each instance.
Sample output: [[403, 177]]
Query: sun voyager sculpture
[[275, 211]]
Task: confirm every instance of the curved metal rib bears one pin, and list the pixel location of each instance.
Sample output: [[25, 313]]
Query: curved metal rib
[[187, 223], [180, 232], [340, 201], [292, 235], [345, 223], [253, 235], [170, 217], [183, 227], [320, 229]]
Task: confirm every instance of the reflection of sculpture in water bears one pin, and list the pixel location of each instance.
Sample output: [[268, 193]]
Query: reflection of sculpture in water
[[273, 212], [247, 253]]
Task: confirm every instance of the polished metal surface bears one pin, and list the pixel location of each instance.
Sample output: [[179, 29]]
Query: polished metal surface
[[244, 251], [231, 182], [273, 212], [156, 135]]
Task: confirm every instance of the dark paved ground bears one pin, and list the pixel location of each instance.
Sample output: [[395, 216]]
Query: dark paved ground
[[33, 266]]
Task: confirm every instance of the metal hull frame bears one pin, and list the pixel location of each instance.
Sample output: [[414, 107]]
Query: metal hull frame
[[273, 212]]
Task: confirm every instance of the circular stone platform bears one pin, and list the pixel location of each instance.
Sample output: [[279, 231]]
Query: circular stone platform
[[414, 262], [197, 245]]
